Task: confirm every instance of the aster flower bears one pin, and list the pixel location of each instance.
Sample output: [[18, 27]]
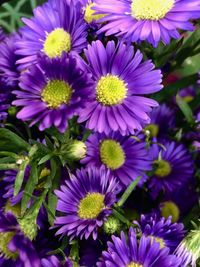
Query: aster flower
[[56, 27], [154, 21], [125, 157], [179, 202], [52, 92], [16, 249], [53, 261], [189, 249], [131, 253], [86, 202], [165, 232], [8, 70], [162, 119], [173, 167], [120, 80]]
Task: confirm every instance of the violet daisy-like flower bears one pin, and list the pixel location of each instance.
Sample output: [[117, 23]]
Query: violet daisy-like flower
[[15, 248], [173, 167], [162, 120], [53, 261], [123, 252], [52, 92], [121, 80], [89, 14], [125, 157], [56, 27], [151, 20], [85, 202], [165, 232]]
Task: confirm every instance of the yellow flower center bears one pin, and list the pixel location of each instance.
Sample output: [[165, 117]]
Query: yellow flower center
[[151, 9], [158, 240], [91, 205], [111, 90], [112, 154], [5, 239], [153, 129], [89, 15], [56, 93], [133, 264], [163, 168], [169, 208], [57, 42]]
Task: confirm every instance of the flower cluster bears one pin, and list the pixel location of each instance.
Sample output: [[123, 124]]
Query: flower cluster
[[100, 135]]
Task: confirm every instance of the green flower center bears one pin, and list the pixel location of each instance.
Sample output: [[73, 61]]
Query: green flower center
[[112, 154], [163, 168], [89, 14], [169, 208], [158, 240], [133, 264], [151, 9], [5, 239], [153, 129], [110, 90], [111, 225], [57, 42], [56, 93], [91, 205]]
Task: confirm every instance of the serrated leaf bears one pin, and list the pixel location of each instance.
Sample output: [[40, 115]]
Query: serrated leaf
[[185, 108], [12, 142], [30, 186], [20, 177]]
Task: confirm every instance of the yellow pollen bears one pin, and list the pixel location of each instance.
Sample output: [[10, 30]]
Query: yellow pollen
[[153, 129], [111, 90], [89, 15], [163, 168], [133, 264], [169, 208], [56, 93], [90, 206], [112, 154], [151, 9], [5, 239], [158, 240], [57, 42]]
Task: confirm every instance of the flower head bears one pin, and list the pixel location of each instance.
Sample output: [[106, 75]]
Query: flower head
[[120, 81], [52, 92], [165, 232], [162, 120], [123, 252], [151, 20], [125, 157], [86, 202], [189, 249], [173, 167], [56, 27]]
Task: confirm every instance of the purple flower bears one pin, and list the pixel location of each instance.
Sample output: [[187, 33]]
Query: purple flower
[[85, 202], [8, 70], [165, 232], [53, 261], [162, 120], [16, 249], [125, 157], [120, 80], [52, 92], [123, 252], [148, 20], [2, 35], [56, 27], [173, 167]]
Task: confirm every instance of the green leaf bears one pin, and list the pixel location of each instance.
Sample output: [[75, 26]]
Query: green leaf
[[12, 142], [185, 108], [4, 166], [30, 186], [52, 203], [128, 191], [20, 177], [45, 158]]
